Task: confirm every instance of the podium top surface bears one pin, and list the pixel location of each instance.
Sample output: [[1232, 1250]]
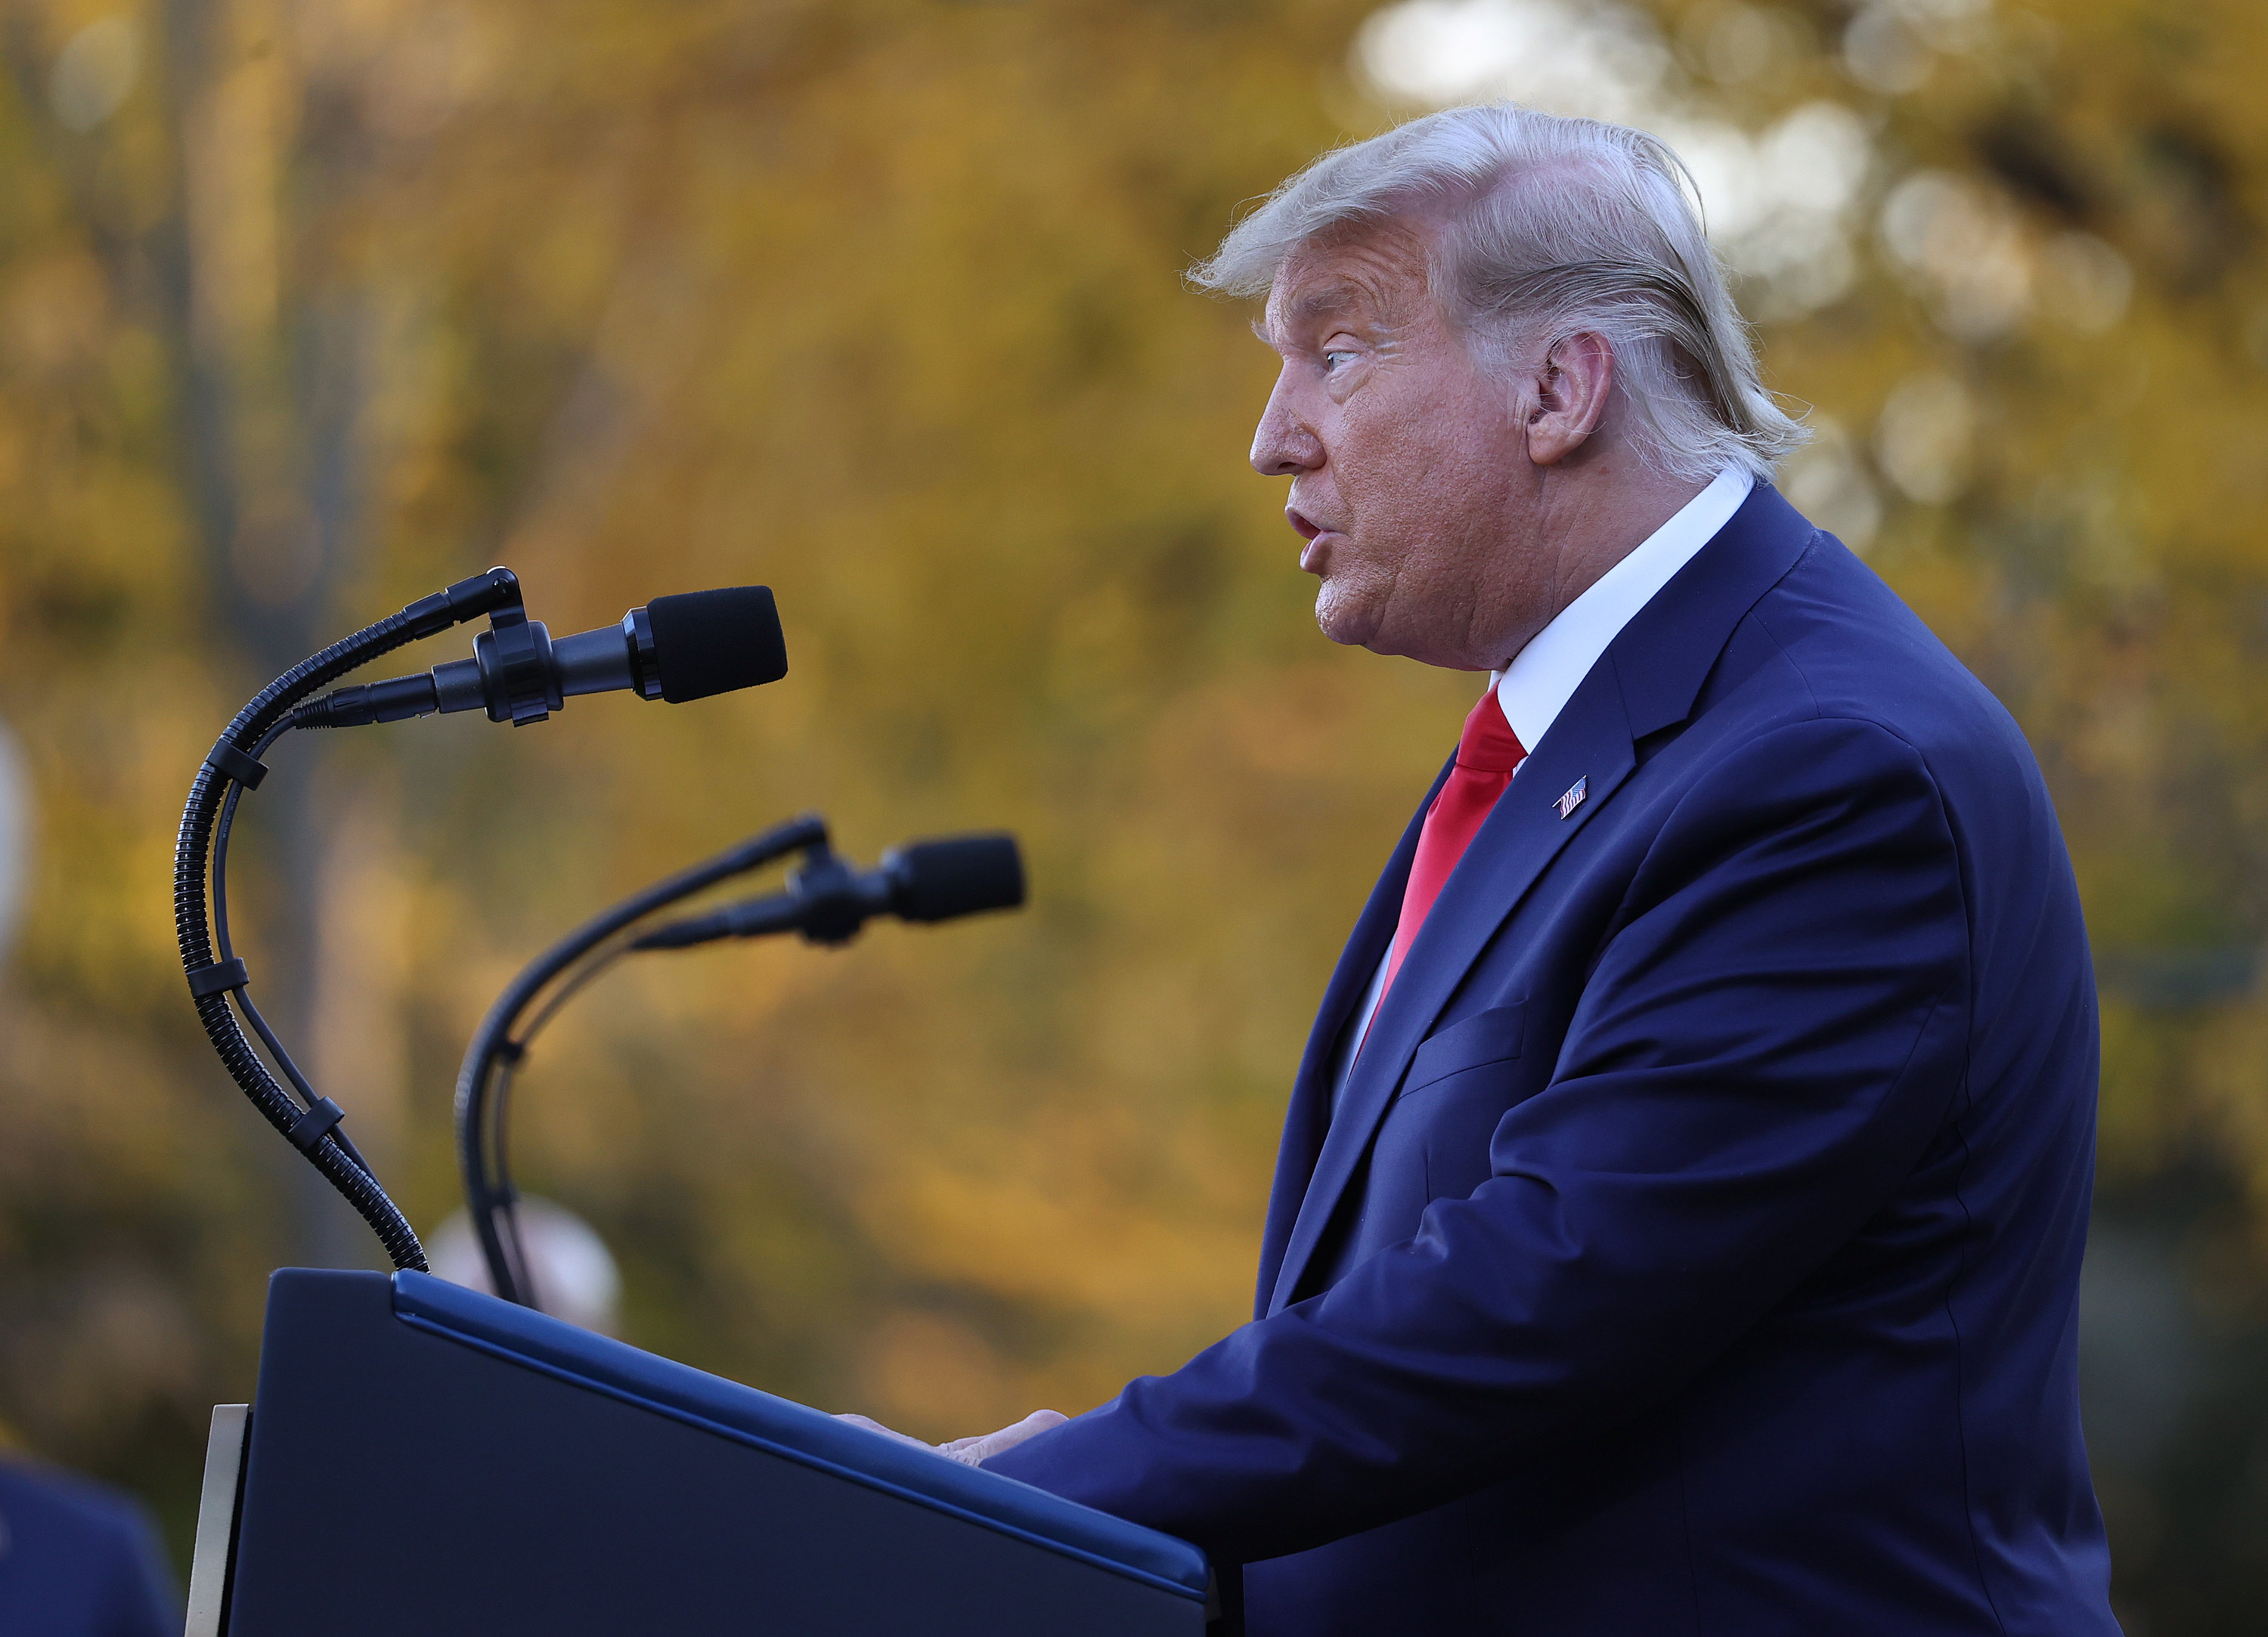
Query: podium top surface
[[796, 1432]]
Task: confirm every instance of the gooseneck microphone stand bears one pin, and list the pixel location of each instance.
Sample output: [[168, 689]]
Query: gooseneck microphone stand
[[484, 1081], [827, 901], [674, 648], [310, 1122]]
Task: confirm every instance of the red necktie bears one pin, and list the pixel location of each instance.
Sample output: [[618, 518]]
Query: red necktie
[[1487, 753]]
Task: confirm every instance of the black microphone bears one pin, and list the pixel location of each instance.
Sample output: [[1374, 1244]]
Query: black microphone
[[827, 901], [674, 648]]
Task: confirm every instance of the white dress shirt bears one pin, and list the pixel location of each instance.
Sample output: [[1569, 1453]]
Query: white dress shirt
[[1544, 675]]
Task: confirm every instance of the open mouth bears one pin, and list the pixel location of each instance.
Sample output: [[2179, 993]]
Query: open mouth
[[1298, 520]]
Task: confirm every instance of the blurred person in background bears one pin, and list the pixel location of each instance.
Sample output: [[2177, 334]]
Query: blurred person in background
[[77, 1560], [1678, 1221]]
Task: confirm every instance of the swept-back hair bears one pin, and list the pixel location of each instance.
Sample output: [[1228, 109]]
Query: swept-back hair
[[1540, 227]]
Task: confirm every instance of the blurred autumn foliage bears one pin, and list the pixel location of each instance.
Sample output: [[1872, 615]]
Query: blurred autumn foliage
[[310, 306]]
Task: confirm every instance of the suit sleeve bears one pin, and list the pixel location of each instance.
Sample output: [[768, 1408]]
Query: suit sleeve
[[1770, 1036]]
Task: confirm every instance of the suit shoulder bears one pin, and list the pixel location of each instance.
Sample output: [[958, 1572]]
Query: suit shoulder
[[78, 1506], [1853, 649]]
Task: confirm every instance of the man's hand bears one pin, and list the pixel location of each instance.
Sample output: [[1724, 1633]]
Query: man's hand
[[976, 1451], [971, 1451]]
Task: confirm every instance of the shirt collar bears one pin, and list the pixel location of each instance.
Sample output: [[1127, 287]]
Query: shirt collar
[[1545, 674]]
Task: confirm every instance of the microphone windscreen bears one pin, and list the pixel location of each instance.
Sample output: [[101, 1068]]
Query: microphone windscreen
[[709, 642], [958, 875]]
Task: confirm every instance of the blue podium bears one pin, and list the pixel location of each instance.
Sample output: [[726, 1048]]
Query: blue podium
[[421, 1458]]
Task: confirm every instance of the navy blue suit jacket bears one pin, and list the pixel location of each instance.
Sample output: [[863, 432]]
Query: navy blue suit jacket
[[78, 1560], [1696, 1247]]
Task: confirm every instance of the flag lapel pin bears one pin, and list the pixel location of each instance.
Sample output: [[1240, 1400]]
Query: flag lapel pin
[[1573, 798]]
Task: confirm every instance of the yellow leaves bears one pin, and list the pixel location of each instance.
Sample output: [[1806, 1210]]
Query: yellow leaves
[[932, 1377], [2232, 1077], [2138, 1118], [1053, 1224], [54, 315], [879, 304], [233, 138], [1141, 1243]]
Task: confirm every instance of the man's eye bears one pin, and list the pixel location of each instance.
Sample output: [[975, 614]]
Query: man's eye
[[1336, 356]]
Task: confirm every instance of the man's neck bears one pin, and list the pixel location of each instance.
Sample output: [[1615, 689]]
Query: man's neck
[[1545, 673], [1597, 517]]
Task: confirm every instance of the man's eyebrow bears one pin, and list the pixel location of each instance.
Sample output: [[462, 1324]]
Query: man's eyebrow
[[1324, 302], [1327, 299]]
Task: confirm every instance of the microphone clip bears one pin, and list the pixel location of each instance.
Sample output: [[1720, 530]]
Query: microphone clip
[[832, 900], [521, 677], [518, 682]]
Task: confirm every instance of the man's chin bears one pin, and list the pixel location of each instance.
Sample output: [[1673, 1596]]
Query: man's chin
[[1355, 620], [1349, 620]]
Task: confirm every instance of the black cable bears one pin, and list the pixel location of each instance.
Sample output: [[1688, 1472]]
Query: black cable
[[220, 860], [277, 1053], [567, 991], [220, 843], [479, 1155], [513, 1242], [499, 1144]]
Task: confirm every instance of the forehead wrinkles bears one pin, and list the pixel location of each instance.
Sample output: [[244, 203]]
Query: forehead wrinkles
[[1378, 281]]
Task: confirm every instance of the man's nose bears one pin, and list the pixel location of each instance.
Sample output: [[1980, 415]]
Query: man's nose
[[1284, 444]]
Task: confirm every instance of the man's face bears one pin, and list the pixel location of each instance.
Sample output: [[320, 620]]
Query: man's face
[[1411, 481]]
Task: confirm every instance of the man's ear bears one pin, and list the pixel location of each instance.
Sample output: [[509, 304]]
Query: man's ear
[[1572, 388]]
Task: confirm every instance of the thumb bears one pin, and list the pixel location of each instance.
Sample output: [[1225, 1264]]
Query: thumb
[[976, 1451]]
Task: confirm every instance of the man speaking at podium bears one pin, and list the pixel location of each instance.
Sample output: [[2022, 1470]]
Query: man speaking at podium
[[1678, 1221]]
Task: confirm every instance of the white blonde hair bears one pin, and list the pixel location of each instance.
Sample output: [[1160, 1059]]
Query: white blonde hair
[[1547, 227]]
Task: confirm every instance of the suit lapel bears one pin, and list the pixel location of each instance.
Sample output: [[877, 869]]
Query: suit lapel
[[1648, 680], [1520, 839], [1310, 1115]]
